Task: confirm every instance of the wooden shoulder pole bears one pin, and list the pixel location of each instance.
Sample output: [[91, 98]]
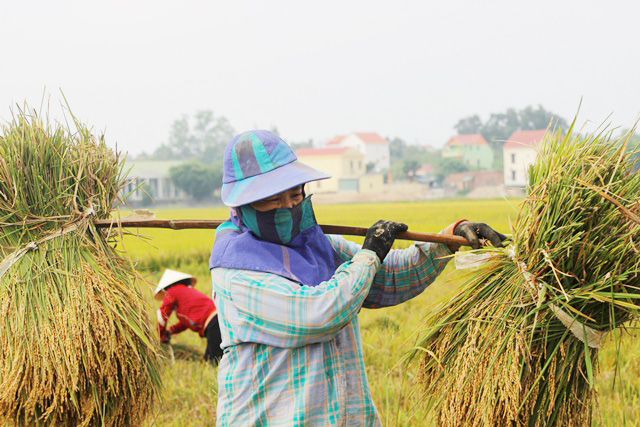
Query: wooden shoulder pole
[[184, 224]]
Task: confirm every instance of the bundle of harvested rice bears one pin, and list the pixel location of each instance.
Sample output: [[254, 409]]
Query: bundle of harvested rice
[[75, 343], [517, 344]]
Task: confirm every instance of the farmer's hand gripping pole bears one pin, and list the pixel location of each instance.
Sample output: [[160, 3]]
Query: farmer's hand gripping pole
[[182, 224]]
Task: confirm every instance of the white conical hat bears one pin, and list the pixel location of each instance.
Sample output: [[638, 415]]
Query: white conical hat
[[169, 278]]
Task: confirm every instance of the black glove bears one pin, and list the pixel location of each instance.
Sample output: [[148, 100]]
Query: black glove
[[381, 235], [473, 231], [166, 339]]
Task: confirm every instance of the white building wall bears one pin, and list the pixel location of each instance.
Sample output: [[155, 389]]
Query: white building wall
[[378, 154], [162, 189], [516, 161], [355, 142], [153, 174]]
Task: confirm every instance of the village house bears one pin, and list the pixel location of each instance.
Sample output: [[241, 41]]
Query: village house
[[152, 177], [374, 147], [426, 175], [472, 149], [519, 152], [346, 166]]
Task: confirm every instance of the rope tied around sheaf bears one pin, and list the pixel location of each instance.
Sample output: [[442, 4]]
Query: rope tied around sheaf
[[15, 256], [590, 336]]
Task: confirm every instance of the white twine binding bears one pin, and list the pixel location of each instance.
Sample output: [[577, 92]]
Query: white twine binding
[[591, 337], [12, 258]]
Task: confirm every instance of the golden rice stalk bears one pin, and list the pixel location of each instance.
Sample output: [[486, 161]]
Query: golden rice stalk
[[517, 343], [76, 347]]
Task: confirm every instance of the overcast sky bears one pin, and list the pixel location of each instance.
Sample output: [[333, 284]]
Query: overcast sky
[[409, 69]]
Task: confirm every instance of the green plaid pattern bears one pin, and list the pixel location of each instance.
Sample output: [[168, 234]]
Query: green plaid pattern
[[293, 354]]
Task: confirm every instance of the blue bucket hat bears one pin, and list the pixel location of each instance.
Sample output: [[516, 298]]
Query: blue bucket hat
[[258, 164]]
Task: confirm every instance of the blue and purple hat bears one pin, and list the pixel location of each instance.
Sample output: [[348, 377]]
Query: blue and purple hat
[[258, 164]]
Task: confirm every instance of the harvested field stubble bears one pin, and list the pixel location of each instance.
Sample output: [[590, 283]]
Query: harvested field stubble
[[76, 346], [517, 344]]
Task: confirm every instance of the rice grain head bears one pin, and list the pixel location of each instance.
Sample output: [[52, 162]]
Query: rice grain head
[[504, 357], [75, 344]]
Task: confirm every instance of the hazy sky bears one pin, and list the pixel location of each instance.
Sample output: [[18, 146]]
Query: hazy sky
[[409, 69]]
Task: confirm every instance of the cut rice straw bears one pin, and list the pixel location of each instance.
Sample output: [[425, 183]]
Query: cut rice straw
[[512, 346], [75, 342]]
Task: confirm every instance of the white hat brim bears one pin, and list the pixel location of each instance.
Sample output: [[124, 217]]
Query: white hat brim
[[169, 277]]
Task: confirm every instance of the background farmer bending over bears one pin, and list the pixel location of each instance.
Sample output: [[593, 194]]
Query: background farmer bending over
[[194, 310]]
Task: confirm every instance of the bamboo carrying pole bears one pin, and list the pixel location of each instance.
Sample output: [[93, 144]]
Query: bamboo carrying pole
[[183, 224]]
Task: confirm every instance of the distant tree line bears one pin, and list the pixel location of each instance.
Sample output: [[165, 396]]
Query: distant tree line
[[499, 127], [407, 159], [199, 142]]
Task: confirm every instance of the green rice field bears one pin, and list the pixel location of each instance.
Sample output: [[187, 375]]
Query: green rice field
[[191, 385]]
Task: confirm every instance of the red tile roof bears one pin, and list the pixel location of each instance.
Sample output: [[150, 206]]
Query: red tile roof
[[336, 140], [371, 138], [328, 151], [466, 139], [525, 138]]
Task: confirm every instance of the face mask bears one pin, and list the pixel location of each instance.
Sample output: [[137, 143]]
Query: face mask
[[279, 225]]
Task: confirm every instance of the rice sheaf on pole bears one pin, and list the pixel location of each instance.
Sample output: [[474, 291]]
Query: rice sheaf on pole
[[76, 346], [518, 342]]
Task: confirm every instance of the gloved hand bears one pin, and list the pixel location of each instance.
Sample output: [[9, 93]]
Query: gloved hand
[[381, 235], [165, 337], [474, 231]]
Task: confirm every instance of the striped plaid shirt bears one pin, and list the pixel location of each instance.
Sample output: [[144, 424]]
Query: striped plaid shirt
[[293, 354]]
